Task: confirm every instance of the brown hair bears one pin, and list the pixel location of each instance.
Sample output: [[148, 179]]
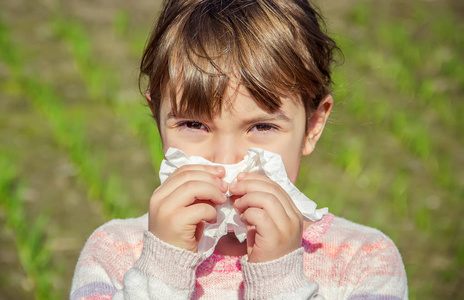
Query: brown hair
[[272, 47]]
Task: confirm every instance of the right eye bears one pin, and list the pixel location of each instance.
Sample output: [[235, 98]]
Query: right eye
[[194, 125]]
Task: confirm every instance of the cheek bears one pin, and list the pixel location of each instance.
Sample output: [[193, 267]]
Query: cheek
[[292, 166], [169, 140], [174, 141], [291, 155]]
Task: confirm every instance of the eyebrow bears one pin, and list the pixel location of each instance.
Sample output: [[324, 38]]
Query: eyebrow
[[271, 117], [278, 116], [174, 115]]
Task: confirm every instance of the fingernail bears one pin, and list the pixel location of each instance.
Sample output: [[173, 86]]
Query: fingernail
[[224, 184], [241, 176], [219, 169]]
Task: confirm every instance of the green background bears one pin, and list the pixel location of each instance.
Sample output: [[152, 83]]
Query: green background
[[77, 145]]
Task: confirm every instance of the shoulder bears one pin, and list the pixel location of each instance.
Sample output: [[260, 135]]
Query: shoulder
[[361, 258], [347, 230], [129, 230], [339, 230], [109, 252], [362, 247], [352, 242], [374, 265], [119, 241], [367, 243]]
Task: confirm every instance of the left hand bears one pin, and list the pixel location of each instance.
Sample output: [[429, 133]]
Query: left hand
[[275, 225]]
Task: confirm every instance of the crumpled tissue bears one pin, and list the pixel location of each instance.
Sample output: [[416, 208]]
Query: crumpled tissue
[[255, 161]]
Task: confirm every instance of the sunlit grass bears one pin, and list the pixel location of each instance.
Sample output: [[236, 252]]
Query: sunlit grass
[[34, 252], [69, 133], [426, 73], [75, 36]]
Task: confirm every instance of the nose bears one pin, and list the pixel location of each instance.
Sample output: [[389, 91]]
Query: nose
[[228, 150]]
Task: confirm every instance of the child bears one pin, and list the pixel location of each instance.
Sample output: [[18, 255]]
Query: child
[[225, 76]]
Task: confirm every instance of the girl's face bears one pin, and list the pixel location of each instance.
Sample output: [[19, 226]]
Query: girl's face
[[243, 124]]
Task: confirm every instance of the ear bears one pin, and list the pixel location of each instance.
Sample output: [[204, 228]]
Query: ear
[[150, 103], [316, 124]]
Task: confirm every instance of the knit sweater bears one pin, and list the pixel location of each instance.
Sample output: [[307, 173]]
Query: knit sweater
[[338, 260]]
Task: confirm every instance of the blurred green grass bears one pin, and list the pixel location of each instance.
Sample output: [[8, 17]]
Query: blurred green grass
[[73, 128], [30, 235]]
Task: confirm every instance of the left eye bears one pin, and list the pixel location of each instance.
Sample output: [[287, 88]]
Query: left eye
[[262, 127], [193, 125]]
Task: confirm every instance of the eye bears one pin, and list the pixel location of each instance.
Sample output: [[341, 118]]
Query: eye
[[263, 127], [194, 125]]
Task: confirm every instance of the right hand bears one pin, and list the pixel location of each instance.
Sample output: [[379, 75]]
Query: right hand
[[180, 206]]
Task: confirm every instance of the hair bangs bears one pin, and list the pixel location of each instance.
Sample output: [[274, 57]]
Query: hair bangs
[[216, 45], [274, 48], [202, 67]]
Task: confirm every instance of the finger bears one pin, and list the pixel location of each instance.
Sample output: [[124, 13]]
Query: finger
[[250, 176], [215, 170], [183, 175], [190, 191], [197, 214], [251, 234], [264, 201], [251, 184], [261, 221], [199, 230]]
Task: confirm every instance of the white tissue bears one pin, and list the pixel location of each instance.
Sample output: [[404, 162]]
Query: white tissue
[[256, 161]]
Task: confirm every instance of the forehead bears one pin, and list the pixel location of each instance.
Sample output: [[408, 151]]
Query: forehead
[[237, 102]]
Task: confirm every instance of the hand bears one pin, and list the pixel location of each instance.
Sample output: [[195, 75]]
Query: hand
[[180, 206], [275, 225]]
